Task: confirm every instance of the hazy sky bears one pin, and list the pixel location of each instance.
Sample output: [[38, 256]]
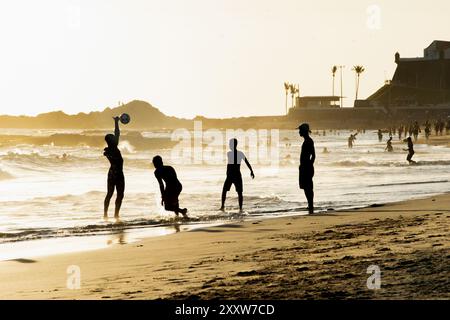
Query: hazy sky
[[210, 57]]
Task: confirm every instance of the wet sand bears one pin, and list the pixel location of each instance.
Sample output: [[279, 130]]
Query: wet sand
[[437, 140], [324, 256]]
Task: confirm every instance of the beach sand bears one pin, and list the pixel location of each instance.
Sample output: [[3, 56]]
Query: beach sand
[[324, 256]]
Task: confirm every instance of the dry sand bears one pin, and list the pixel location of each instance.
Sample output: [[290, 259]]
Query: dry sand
[[306, 257]]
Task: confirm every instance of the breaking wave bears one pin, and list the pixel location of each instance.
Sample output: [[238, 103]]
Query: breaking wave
[[364, 163], [134, 140]]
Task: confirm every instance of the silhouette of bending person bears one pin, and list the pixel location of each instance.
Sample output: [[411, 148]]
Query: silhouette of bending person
[[172, 188], [306, 169], [410, 150], [116, 179], [234, 176]]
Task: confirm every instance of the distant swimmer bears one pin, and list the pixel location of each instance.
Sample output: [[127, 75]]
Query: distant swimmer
[[400, 132], [416, 130], [410, 150], [427, 129], [116, 179], [306, 169], [235, 157], [169, 185], [351, 140], [380, 135], [325, 150], [389, 147], [441, 127], [64, 157]]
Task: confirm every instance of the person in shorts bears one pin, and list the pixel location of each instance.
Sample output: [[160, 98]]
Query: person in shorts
[[116, 179], [234, 177], [306, 169]]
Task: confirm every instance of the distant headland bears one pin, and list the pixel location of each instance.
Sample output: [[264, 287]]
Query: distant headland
[[144, 117]]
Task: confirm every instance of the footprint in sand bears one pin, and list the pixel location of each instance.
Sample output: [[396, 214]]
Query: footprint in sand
[[131, 292], [437, 245], [300, 269]]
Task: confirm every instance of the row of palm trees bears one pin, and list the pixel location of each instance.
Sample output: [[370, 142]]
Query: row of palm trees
[[294, 90], [358, 71]]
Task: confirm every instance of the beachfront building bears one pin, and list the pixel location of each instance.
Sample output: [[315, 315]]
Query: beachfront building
[[317, 102], [417, 82], [419, 90]]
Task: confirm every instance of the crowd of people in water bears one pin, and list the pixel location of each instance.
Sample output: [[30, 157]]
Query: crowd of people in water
[[408, 132], [170, 187]]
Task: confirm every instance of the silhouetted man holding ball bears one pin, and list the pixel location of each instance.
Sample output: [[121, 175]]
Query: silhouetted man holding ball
[[306, 169], [116, 179]]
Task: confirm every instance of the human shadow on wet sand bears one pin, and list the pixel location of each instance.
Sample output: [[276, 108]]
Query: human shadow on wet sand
[[22, 260]]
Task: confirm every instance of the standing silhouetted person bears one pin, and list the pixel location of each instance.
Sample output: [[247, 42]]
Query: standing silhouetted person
[[441, 127], [400, 132], [172, 188], [306, 169], [410, 150], [427, 129], [116, 179], [234, 176], [380, 135], [416, 130], [351, 140]]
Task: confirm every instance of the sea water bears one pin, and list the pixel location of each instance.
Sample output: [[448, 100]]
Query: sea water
[[46, 197]]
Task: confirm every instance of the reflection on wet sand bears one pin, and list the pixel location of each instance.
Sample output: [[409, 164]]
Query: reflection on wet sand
[[118, 237]]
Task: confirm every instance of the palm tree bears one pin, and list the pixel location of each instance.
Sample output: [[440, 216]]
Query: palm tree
[[358, 70], [286, 88], [333, 72], [293, 90]]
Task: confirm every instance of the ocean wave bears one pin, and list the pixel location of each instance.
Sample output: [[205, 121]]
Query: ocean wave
[[36, 162], [132, 139], [408, 183], [364, 163], [85, 225], [105, 227]]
